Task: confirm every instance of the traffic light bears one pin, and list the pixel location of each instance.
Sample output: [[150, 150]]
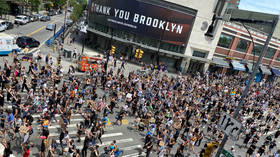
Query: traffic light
[[113, 49], [137, 53], [140, 55]]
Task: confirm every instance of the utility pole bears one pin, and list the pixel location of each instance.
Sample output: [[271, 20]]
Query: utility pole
[[252, 76]]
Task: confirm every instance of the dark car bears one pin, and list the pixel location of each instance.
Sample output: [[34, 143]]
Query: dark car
[[27, 42], [9, 25], [51, 13], [35, 17], [45, 18]]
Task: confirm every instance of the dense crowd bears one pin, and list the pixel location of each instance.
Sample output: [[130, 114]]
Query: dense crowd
[[177, 112]]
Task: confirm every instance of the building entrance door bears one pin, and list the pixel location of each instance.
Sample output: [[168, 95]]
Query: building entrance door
[[195, 66]]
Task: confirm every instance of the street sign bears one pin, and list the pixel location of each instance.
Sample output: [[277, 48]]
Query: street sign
[[229, 125], [226, 153]]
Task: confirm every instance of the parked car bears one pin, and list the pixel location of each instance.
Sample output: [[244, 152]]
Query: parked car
[[52, 13], [21, 19], [35, 17], [45, 18], [9, 25], [29, 17], [39, 16], [2, 23], [25, 41], [50, 27], [2, 27]]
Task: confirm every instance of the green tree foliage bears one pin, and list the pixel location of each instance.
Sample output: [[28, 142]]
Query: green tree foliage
[[4, 7], [58, 3], [79, 7], [34, 5]]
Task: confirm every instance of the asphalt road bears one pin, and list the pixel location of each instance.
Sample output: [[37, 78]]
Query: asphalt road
[[127, 139], [37, 29]]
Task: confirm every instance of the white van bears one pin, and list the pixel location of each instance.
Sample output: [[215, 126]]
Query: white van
[[7, 44], [21, 19]]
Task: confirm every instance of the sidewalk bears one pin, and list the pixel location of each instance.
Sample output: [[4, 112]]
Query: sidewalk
[[91, 52]]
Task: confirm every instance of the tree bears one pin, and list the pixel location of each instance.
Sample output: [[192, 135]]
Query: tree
[[34, 4], [79, 7], [77, 11], [58, 3], [4, 7]]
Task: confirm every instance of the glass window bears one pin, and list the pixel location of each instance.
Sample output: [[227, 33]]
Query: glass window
[[278, 57], [199, 54], [270, 53], [170, 47], [257, 50], [146, 41], [225, 41], [242, 45]]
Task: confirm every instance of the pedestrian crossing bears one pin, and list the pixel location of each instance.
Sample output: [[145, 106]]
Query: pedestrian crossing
[[130, 145]]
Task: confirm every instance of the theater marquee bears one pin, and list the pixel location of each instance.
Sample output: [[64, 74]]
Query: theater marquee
[[143, 18]]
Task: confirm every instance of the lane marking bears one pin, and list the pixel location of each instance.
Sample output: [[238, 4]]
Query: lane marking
[[39, 29], [135, 155], [108, 142], [57, 115]]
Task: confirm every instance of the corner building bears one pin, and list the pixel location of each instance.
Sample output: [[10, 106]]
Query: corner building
[[169, 32]]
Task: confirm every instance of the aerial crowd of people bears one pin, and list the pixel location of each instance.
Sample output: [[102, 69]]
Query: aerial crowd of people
[[178, 113]]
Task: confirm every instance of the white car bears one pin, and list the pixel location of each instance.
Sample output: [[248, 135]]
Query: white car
[[21, 20], [3, 26]]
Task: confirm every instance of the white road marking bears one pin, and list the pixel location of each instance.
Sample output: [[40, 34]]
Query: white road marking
[[109, 142], [135, 155]]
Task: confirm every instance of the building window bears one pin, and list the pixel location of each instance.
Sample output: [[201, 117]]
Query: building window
[[122, 34], [270, 53], [146, 41], [278, 57], [225, 41], [199, 54], [171, 47], [257, 50], [242, 45]]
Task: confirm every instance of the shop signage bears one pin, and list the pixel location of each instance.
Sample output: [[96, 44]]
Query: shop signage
[[142, 18]]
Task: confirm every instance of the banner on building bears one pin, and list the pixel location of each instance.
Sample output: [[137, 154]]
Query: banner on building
[[144, 19]]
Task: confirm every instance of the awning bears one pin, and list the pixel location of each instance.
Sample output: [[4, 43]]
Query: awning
[[275, 71], [250, 68], [238, 66], [265, 70], [220, 62]]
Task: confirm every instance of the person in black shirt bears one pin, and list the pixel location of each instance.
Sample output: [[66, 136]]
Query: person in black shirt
[[250, 150], [24, 85], [1, 98], [86, 144]]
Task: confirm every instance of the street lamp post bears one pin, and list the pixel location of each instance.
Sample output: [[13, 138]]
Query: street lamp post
[[255, 68], [63, 36]]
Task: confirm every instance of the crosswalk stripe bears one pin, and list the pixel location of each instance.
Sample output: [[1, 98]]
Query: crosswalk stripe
[[135, 155], [83, 138], [58, 126], [109, 142], [57, 115], [131, 147], [118, 141]]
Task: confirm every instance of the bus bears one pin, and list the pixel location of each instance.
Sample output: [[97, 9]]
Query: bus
[[7, 44]]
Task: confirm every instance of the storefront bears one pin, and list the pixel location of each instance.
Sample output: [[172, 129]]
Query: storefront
[[162, 33], [219, 65], [236, 68]]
